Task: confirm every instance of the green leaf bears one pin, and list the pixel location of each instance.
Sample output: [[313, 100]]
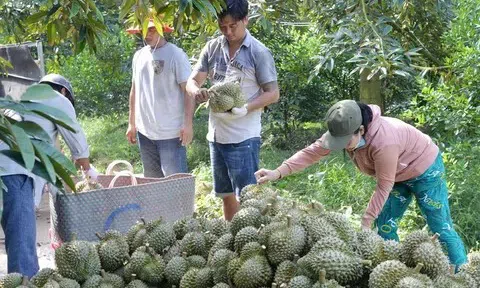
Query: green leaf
[[33, 19], [145, 27], [53, 114], [25, 146], [51, 33], [74, 10], [38, 92], [63, 174], [46, 162], [34, 130], [210, 7], [199, 6], [125, 8], [56, 155]]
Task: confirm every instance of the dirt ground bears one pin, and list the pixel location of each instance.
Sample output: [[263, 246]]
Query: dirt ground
[[45, 253]]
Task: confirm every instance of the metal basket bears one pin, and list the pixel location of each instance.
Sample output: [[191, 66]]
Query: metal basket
[[120, 206]]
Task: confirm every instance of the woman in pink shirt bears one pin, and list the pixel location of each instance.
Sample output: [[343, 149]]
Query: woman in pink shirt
[[404, 161]]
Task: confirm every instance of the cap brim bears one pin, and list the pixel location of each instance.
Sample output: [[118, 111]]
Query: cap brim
[[335, 143]]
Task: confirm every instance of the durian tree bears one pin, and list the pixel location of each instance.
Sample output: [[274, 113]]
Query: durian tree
[[383, 39]]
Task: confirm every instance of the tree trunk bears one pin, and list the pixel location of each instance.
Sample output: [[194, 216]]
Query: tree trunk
[[370, 90]]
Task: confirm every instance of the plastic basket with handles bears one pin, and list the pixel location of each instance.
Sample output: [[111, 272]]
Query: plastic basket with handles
[[124, 199]]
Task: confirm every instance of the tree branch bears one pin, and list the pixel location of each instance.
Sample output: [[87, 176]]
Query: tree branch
[[417, 42]]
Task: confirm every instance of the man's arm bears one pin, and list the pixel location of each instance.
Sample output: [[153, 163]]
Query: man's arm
[[132, 129], [270, 95], [186, 134], [194, 84]]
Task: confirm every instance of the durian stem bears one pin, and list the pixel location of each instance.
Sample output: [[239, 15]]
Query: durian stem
[[323, 276], [102, 272], [418, 268], [289, 221], [142, 220], [73, 237], [366, 262], [435, 236], [295, 258], [266, 209], [99, 236]]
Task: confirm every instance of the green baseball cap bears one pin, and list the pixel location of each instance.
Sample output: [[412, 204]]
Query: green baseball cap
[[343, 119]]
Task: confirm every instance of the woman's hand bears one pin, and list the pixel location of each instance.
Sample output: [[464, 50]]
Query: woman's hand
[[264, 175]]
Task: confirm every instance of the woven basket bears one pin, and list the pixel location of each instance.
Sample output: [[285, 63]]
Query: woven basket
[[120, 206]]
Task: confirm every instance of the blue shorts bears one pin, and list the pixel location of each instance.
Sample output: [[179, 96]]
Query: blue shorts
[[234, 166]]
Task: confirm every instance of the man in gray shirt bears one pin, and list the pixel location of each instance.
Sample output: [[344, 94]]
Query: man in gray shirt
[[18, 217], [235, 137]]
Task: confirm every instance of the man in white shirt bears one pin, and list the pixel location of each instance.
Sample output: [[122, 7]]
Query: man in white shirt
[[160, 111], [235, 137]]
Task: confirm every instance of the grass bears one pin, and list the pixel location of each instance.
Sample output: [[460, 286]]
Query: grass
[[334, 182]]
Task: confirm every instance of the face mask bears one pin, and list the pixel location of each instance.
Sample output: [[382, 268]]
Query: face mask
[[360, 143]]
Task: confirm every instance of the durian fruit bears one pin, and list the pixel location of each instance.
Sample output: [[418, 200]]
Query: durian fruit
[[136, 235], [170, 252], [196, 261], [42, 276], [225, 95], [286, 271], [175, 269], [160, 237], [113, 250], [324, 283], [318, 228], [225, 242], [410, 243], [253, 272], [387, 274], [258, 192], [48, 277], [285, 243], [186, 225], [217, 226], [342, 226], [415, 279], [370, 245], [11, 280], [459, 280], [86, 184], [391, 250], [194, 243], [334, 243], [472, 267], [219, 263], [431, 255], [137, 284], [197, 278], [247, 217], [105, 280], [221, 285], [147, 265], [300, 282], [77, 260], [244, 236], [342, 267]]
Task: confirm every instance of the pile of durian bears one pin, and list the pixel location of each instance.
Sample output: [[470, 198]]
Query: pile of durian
[[270, 242]]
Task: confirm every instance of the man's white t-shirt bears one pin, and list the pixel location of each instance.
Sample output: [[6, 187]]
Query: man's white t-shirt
[[159, 101]]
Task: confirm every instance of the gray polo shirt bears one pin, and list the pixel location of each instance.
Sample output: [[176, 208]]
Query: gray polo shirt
[[253, 66]]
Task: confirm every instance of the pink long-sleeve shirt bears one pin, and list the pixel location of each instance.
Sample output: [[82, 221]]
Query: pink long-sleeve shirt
[[394, 152]]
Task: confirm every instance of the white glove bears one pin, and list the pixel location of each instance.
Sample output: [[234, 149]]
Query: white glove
[[235, 114], [92, 173]]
